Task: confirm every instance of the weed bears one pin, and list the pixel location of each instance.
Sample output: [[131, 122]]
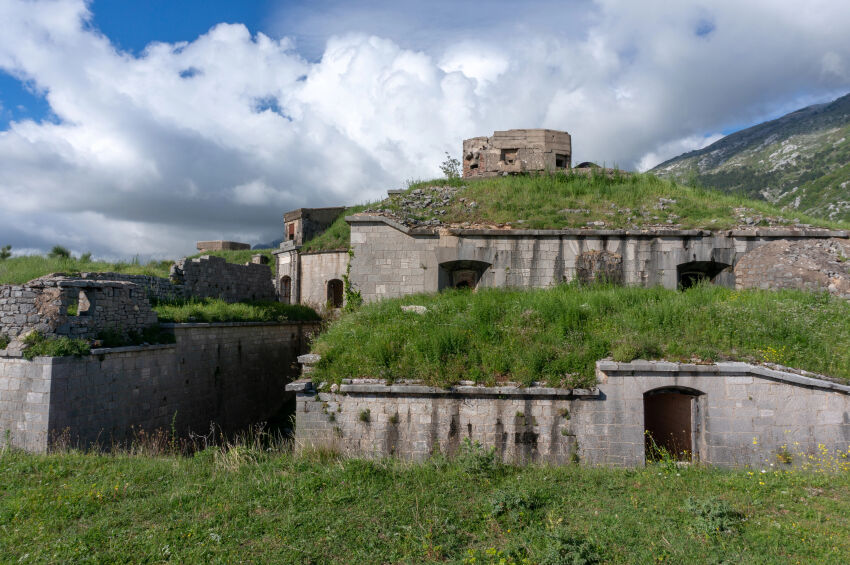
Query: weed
[[475, 459], [4, 341], [394, 419], [513, 499], [365, 416], [37, 345], [565, 548], [713, 516]]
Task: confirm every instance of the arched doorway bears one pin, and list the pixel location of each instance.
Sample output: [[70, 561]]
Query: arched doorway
[[335, 293], [286, 289], [694, 272], [670, 423]]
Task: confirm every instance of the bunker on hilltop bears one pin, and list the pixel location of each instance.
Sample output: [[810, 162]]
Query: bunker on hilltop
[[516, 151]]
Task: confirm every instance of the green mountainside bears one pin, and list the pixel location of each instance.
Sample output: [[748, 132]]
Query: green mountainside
[[800, 162]]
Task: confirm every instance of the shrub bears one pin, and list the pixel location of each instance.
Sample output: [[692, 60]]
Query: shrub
[[38, 345], [450, 167], [4, 341], [474, 459], [59, 252], [365, 416], [5, 252]]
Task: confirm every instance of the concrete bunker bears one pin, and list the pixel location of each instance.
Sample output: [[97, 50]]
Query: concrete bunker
[[694, 272], [461, 274], [335, 293], [670, 426]]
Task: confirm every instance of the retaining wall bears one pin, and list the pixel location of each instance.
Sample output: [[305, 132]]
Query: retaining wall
[[741, 415], [232, 374], [391, 260]]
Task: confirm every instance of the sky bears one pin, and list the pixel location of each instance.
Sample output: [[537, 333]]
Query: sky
[[138, 128]]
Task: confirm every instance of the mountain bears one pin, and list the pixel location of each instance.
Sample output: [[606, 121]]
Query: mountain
[[800, 162]]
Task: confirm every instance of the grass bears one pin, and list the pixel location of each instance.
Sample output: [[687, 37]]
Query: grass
[[251, 504], [217, 310], [556, 335], [623, 201], [18, 270], [336, 237]]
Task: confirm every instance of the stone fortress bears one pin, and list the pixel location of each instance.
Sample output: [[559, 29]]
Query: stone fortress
[[234, 374]]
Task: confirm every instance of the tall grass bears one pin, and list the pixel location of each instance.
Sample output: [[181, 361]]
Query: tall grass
[[249, 500], [217, 310], [621, 201], [556, 335], [18, 270]]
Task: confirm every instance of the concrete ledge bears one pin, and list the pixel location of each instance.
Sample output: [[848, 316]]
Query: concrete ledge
[[128, 348], [413, 389], [641, 367]]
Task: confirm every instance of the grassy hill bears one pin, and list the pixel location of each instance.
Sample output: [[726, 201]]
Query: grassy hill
[[621, 201], [556, 335], [255, 504], [800, 162], [18, 270]]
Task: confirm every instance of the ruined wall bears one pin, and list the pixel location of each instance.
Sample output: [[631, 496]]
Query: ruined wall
[[316, 270], [209, 276], [819, 265], [392, 260], [516, 151], [220, 245], [743, 415], [43, 305], [232, 374], [156, 288], [304, 224]]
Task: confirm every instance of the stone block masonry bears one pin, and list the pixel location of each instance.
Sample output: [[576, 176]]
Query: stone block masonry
[[728, 414], [209, 276], [73, 307], [230, 374]]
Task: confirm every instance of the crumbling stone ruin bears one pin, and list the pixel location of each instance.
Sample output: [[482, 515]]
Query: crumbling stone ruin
[[305, 223], [516, 151], [61, 305], [222, 246], [598, 266], [213, 277], [817, 265]]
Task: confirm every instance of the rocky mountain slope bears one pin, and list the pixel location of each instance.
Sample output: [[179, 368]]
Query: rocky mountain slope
[[800, 162]]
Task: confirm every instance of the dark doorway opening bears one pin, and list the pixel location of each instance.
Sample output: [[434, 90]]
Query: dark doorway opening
[[669, 424], [461, 274], [693, 273], [286, 289], [335, 293]]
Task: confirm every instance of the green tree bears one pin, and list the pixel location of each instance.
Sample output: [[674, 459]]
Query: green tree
[[59, 252], [5, 252]]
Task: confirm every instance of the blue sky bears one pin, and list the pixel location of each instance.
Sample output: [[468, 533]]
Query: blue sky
[[140, 127]]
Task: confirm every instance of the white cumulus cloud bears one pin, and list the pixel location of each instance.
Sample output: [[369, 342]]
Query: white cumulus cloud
[[217, 136]]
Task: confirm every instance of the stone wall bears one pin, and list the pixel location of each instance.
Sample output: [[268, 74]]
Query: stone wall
[[156, 288], [741, 415], [209, 276], [43, 305], [232, 374], [317, 270], [392, 260], [220, 245], [819, 265], [304, 224]]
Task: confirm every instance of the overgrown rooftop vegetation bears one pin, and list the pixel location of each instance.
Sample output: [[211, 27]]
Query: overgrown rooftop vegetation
[[18, 270], [556, 335], [562, 201], [217, 310], [578, 200]]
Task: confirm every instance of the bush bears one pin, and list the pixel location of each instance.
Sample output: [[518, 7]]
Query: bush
[[38, 345], [512, 499], [474, 459], [59, 252], [5, 252], [4, 341]]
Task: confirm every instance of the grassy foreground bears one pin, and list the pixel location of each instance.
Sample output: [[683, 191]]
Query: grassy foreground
[[251, 505], [556, 335]]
